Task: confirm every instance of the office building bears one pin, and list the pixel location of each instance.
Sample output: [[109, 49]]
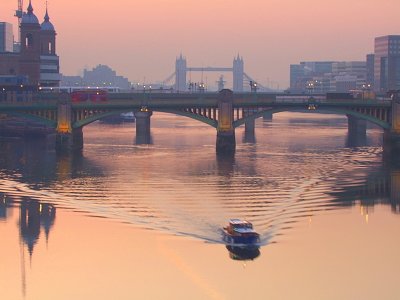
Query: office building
[[302, 74], [327, 76], [387, 63], [103, 75], [6, 37]]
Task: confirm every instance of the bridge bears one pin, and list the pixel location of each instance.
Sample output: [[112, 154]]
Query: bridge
[[239, 76], [224, 111]]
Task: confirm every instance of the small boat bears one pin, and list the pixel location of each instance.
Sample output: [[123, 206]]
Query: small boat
[[128, 117], [119, 118], [240, 232]]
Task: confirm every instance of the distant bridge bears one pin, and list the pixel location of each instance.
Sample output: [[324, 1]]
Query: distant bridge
[[224, 111], [239, 76]]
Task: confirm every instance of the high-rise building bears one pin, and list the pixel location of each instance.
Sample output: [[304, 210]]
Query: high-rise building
[[387, 63], [297, 80], [6, 37]]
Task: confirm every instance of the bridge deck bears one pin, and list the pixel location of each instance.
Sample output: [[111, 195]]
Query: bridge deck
[[200, 100]]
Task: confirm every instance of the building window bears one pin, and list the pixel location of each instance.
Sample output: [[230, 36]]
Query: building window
[[50, 47], [29, 40]]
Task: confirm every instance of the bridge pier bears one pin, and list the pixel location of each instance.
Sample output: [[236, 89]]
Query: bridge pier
[[356, 140], [356, 126], [391, 142], [67, 138], [143, 136], [226, 142], [249, 131], [267, 116], [72, 141], [391, 138], [357, 132], [250, 125], [249, 138]]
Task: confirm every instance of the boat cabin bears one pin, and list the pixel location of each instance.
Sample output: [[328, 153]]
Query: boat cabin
[[239, 226]]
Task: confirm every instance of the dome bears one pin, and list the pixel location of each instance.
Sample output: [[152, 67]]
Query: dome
[[29, 17], [47, 25]]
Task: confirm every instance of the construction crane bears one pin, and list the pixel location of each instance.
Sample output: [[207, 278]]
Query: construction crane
[[18, 14]]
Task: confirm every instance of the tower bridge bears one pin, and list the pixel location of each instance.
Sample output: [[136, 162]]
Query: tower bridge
[[238, 74], [225, 111]]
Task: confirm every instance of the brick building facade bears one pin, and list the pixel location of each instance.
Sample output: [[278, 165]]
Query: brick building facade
[[37, 58]]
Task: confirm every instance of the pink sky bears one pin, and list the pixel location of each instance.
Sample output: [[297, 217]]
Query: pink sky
[[140, 39]]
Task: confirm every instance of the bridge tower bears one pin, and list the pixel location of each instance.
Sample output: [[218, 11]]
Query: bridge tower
[[226, 143], [238, 73], [180, 74]]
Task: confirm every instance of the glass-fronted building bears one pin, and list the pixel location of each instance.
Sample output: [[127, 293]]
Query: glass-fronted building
[[387, 63]]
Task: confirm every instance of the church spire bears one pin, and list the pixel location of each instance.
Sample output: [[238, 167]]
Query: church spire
[[30, 8], [46, 17]]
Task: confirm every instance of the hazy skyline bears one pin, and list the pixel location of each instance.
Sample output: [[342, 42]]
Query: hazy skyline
[[142, 39]]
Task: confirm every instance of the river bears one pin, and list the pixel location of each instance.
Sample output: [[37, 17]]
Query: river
[[127, 221]]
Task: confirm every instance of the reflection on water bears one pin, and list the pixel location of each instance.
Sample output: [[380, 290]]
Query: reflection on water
[[35, 216], [5, 204], [294, 170], [182, 187], [249, 137]]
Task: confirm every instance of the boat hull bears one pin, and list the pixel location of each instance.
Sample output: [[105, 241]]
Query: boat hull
[[241, 239], [243, 252]]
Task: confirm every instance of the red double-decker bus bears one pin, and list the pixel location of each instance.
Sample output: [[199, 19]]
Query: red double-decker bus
[[96, 95]]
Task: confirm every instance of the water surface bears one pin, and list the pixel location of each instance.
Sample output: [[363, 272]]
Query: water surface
[[129, 221]]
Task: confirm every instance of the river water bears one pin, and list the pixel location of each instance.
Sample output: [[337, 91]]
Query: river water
[[127, 221]]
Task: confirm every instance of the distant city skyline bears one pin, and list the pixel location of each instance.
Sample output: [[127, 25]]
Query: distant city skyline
[[141, 40]]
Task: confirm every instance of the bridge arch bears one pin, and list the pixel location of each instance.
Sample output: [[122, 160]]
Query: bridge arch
[[380, 123], [98, 116], [208, 121], [35, 118]]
